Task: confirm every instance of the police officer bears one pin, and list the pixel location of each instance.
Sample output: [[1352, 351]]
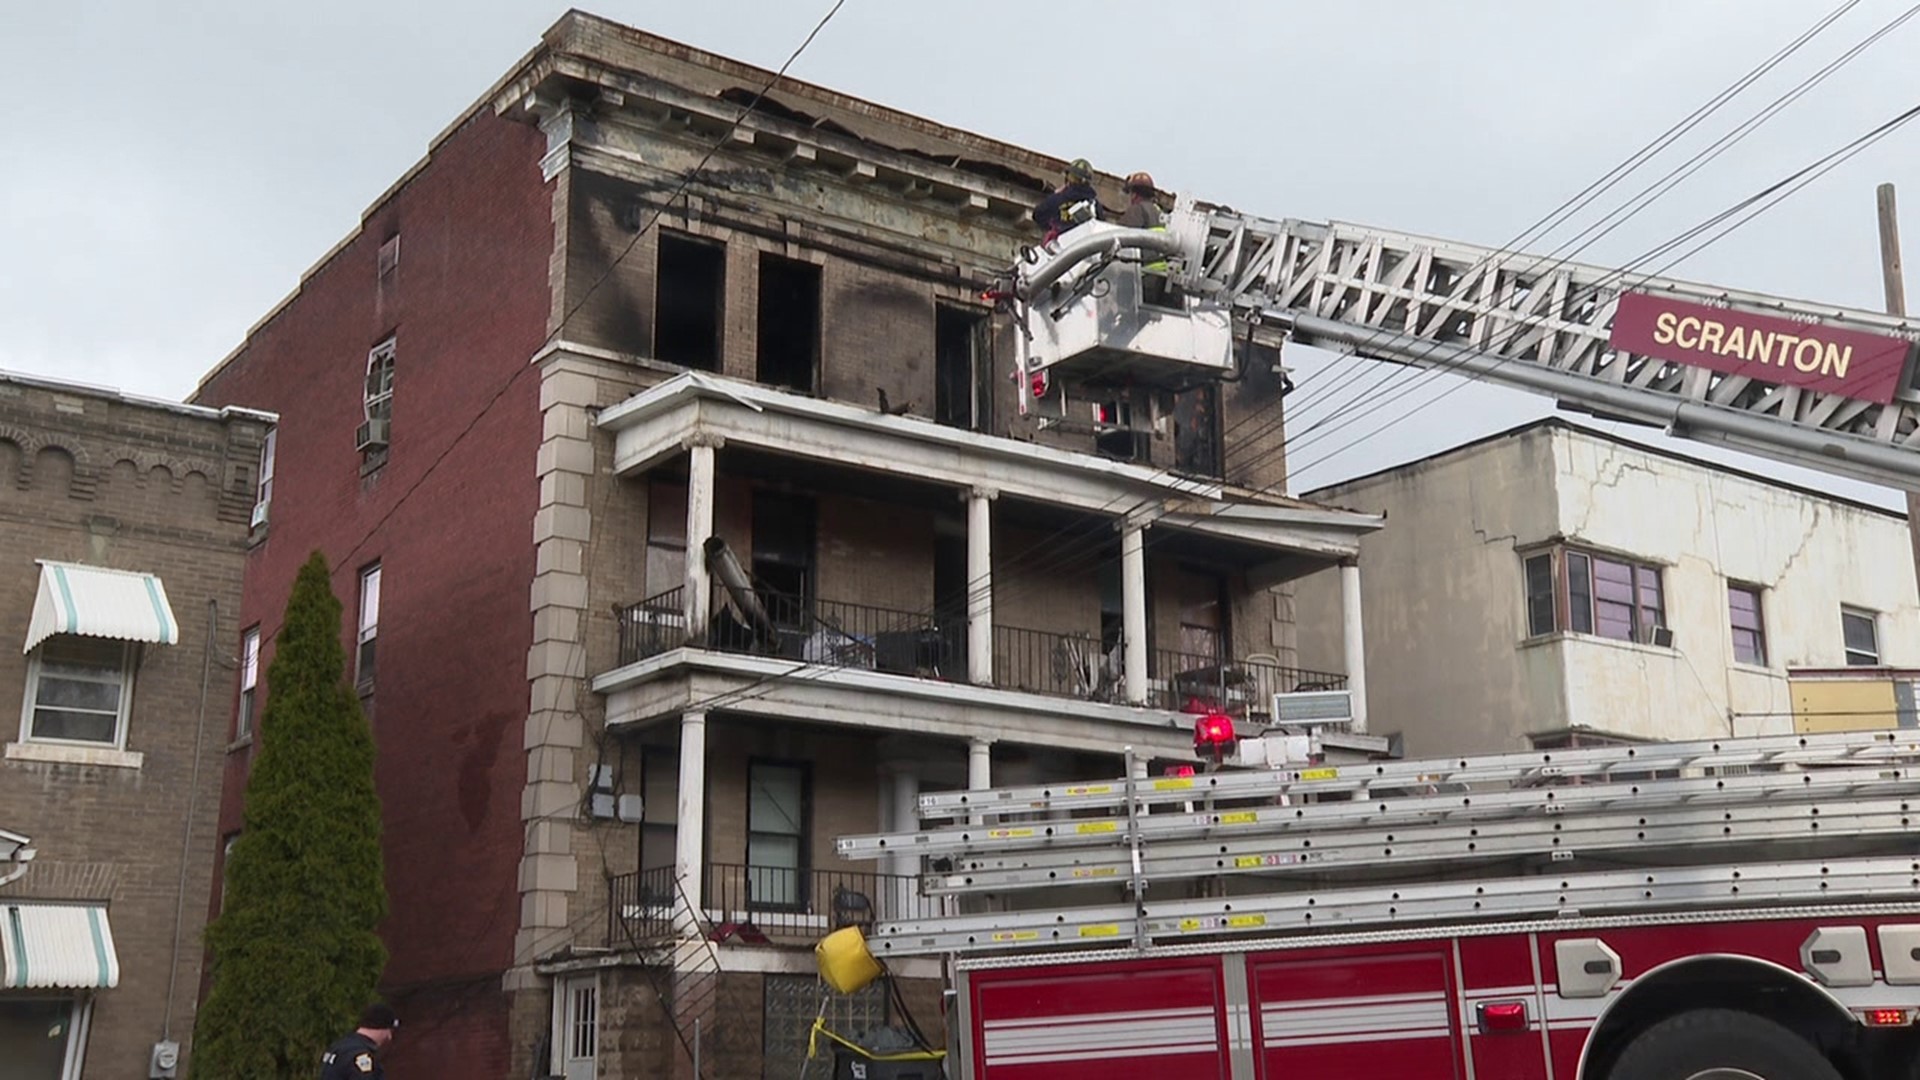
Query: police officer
[[354, 1057]]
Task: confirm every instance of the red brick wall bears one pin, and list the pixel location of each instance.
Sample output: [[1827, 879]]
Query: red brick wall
[[470, 308]]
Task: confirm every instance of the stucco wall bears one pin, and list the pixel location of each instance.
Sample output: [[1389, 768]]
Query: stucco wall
[[1448, 658]]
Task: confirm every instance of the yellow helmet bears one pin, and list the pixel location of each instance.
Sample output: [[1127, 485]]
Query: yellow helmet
[[1079, 169]]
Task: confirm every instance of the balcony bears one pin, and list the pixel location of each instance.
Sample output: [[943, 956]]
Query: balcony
[[760, 904], [836, 634]]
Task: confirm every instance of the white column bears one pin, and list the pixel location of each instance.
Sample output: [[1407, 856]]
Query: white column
[[980, 586], [1356, 642], [700, 480], [979, 770], [1133, 604], [691, 827]]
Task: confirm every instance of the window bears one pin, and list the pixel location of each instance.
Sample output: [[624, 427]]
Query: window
[[1196, 431], [788, 350], [369, 625], [783, 555], [42, 1038], [263, 492], [659, 805], [666, 537], [388, 259], [78, 690], [1540, 594], [1861, 632], [249, 682], [689, 298], [1589, 593], [1749, 633], [777, 805], [1203, 620], [377, 401], [962, 369]]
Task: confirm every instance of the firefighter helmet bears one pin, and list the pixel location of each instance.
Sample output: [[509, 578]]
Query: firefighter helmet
[[1079, 169], [1140, 182]]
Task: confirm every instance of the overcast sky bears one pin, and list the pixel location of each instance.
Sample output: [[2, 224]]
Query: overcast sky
[[170, 169]]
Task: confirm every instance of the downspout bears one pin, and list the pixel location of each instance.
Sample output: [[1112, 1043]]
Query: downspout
[[193, 800]]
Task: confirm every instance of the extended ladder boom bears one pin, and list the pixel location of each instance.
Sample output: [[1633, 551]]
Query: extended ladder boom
[[1779, 819]]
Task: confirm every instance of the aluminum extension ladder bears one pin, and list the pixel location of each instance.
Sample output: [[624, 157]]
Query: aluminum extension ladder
[[1359, 846]]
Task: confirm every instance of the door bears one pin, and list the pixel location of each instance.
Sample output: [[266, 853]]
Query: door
[[38, 1040], [579, 1027]]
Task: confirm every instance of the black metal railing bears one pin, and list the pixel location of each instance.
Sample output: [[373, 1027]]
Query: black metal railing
[[653, 625], [841, 634], [753, 901], [640, 907], [1061, 665], [1068, 664], [1181, 680]]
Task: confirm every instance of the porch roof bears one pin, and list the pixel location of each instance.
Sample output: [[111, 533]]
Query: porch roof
[[660, 422]]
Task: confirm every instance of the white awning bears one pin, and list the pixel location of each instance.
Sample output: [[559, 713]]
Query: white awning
[[97, 602], [56, 946]]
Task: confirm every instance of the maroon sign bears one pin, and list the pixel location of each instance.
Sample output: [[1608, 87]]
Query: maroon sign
[[1764, 347]]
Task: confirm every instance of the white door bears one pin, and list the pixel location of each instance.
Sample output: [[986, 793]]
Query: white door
[[579, 1027]]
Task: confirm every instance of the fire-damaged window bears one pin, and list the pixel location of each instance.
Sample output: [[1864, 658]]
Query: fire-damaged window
[[689, 300], [788, 352], [1203, 615], [1196, 431], [962, 368], [783, 555]]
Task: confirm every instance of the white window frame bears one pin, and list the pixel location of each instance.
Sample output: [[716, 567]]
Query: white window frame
[[247, 713], [120, 719], [367, 634], [377, 404], [263, 491], [1873, 623]]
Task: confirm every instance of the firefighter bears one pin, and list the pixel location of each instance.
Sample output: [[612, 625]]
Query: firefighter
[[356, 1056], [1141, 212], [1072, 204]]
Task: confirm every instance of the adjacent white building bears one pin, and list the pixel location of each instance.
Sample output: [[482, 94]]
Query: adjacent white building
[[1555, 585]]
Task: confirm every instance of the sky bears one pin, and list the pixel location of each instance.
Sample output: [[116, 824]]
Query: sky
[[171, 169]]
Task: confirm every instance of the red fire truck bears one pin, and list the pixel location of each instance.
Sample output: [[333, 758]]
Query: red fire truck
[[1747, 909]]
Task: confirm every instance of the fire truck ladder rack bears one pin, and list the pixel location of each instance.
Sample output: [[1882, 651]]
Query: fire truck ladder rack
[[1539, 324], [1770, 820]]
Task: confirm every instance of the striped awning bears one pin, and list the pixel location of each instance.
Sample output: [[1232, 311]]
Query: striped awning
[[56, 946], [97, 602]]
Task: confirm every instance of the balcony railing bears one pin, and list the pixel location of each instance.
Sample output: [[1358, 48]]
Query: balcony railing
[[769, 901], [1180, 680], [837, 633]]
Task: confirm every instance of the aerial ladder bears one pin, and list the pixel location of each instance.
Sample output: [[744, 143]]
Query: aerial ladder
[[1104, 309]]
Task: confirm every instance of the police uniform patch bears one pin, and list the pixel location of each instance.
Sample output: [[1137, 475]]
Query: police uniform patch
[[364, 1063]]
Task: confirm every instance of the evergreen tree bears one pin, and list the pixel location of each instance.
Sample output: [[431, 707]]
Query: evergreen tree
[[295, 952]]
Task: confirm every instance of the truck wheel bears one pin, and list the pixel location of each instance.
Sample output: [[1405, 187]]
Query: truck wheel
[[1720, 1044]]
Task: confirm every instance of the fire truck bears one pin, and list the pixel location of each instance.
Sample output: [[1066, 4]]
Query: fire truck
[[1306, 903]]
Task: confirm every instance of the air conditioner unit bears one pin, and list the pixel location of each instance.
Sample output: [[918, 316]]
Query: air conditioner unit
[[372, 435], [1309, 708], [1656, 635], [259, 515]]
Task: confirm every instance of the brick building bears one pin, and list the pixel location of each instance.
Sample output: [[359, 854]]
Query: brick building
[[556, 378], [125, 527]]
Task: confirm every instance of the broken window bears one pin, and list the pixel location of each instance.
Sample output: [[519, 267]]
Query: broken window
[[783, 549], [666, 537], [962, 369], [789, 323], [689, 297], [1203, 616], [1196, 431]]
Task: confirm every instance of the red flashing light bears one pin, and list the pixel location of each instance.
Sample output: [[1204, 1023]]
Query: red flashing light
[[1503, 1016], [1038, 384], [1179, 770], [1887, 1017], [1214, 730]]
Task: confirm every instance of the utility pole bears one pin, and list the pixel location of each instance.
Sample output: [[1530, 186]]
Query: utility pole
[[1896, 290]]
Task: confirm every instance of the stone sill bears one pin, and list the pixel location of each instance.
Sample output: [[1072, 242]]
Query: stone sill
[[57, 754], [1560, 637]]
